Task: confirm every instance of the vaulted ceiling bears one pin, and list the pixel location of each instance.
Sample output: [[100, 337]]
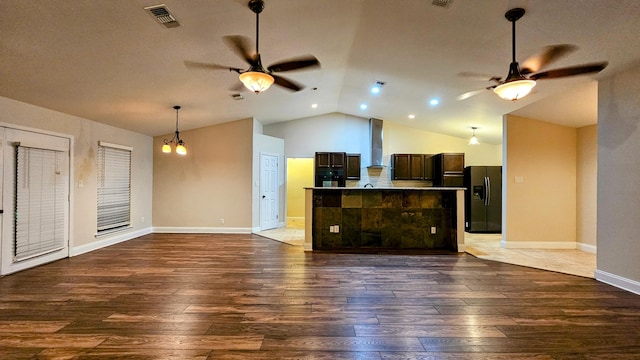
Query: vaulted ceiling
[[110, 61]]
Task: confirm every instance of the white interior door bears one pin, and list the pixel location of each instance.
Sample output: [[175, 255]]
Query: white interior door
[[269, 204], [35, 199]]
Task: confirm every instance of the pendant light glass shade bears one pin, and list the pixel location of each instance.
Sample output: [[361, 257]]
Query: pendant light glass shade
[[256, 81], [181, 150], [166, 148], [474, 139]]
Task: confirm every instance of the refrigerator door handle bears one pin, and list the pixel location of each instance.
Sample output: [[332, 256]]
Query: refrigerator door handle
[[487, 191]]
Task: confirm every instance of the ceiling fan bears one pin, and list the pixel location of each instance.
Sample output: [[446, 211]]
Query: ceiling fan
[[256, 78], [521, 80]]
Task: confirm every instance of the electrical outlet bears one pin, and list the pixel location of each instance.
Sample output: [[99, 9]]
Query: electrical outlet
[[142, 219], [433, 229], [336, 228], [221, 220]]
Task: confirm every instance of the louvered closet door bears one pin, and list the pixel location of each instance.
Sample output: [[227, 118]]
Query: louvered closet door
[[35, 199]]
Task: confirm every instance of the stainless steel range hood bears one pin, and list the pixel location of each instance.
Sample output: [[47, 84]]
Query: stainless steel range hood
[[375, 136]]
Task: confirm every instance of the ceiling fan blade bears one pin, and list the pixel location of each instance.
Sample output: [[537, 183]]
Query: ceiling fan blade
[[241, 45], [294, 64], [469, 94], [286, 83], [570, 71], [208, 66], [548, 55], [479, 76]]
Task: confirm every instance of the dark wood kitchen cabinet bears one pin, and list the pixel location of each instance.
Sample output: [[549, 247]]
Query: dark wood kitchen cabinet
[[407, 166], [353, 167], [448, 169], [330, 160], [428, 167]]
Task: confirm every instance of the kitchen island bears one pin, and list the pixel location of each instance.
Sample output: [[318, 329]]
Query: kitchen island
[[346, 219]]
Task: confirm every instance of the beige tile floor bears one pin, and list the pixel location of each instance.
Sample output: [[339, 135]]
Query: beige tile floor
[[487, 246], [574, 262]]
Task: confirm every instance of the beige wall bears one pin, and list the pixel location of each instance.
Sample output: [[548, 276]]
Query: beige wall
[[618, 173], [86, 134], [402, 139], [586, 189], [540, 211], [212, 182]]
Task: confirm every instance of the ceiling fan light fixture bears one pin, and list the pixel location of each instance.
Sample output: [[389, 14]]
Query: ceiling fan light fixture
[[514, 90], [256, 81]]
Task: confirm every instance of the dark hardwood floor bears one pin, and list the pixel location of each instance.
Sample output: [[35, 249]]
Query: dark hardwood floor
[[247, 297]]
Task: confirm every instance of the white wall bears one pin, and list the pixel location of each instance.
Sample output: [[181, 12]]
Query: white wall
[[340, 132], [330, 132], [86, 134]]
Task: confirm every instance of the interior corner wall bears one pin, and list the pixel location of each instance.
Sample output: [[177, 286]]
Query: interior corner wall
[[193, 193], [539, 180], [86, 134], [263, 144], [586, 190], [618, 173]]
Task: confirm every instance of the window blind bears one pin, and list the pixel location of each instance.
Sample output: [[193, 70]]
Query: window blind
[[114, 187], [40, 202]]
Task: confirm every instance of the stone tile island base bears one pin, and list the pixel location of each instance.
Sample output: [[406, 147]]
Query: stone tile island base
[[365, 220]]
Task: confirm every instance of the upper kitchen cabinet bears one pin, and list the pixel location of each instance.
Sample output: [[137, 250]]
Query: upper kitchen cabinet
[[448, 169], [330, 160], [407, 166], [353, 167]]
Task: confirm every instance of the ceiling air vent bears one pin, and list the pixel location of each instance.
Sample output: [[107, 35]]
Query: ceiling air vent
[[162, 15], [441, 3]]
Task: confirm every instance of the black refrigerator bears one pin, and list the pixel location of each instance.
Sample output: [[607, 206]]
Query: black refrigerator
[[483, 199]]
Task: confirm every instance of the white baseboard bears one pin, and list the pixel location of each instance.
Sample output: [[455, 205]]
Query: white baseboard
[[564, 245], [618, 281], [588, 248], [111, 240], [202, 230]]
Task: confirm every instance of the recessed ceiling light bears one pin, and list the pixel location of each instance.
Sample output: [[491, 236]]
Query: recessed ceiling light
[[411, 116], [314, 105], [377, 87], [434, 102], [363, 106]]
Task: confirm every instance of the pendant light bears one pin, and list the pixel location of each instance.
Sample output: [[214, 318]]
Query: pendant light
[[180, 148], [474, 139]]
